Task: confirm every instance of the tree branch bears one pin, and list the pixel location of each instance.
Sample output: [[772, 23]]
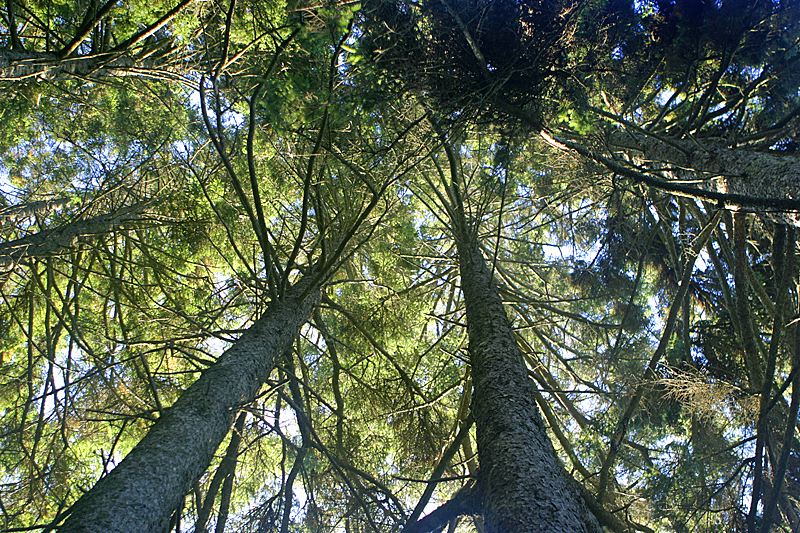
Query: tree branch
[[466, 501]]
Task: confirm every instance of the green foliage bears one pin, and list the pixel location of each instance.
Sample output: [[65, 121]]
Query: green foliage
[[349, 166]]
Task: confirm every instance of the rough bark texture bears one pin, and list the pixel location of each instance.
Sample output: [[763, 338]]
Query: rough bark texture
[[736, 171], [524, 486], [63, 238], [14, 213], [20, 66], [143, 491]]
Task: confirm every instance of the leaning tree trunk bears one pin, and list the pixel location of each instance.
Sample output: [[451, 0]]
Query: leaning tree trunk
[[144, 490], [58, 240], [63, 239], [523, 484], [14, 213], [771, 178], [23, 66]]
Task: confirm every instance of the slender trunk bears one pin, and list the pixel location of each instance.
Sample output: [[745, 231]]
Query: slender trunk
[[20, 66], [14, 213], [225, 471], [712, 166], [524, 486], [63, 238], [143, 491]]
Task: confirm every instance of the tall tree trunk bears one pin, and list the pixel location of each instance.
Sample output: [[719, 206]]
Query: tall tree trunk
[[710, 165], [761, 181], [523, 484], [14, 213], [144, 490], [21, 66], [62, 239]]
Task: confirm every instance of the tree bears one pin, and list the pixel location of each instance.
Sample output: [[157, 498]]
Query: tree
[[61, 239], [145, 489], [522, 485], [162, 40], [651, 134], [336, 235], [546, 286]]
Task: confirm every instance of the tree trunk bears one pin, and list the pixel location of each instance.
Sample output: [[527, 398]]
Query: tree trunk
[[144, 490], [63, 238], [523, 484], [21, 66], [712, 166], [14, 213]]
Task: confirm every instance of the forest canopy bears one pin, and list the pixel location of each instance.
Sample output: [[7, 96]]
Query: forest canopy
[[399, 266]]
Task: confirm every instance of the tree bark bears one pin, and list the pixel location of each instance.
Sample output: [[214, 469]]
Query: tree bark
[[524, 486], [63, 238], [20, 66], [14, 213], [712, 166], [144, 490]]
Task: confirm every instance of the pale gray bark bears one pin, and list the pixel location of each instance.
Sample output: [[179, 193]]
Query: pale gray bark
[[13, 213], [124, 59], [709, 165], [523, 484], [143, 491], [19, 66], [63, 238]]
